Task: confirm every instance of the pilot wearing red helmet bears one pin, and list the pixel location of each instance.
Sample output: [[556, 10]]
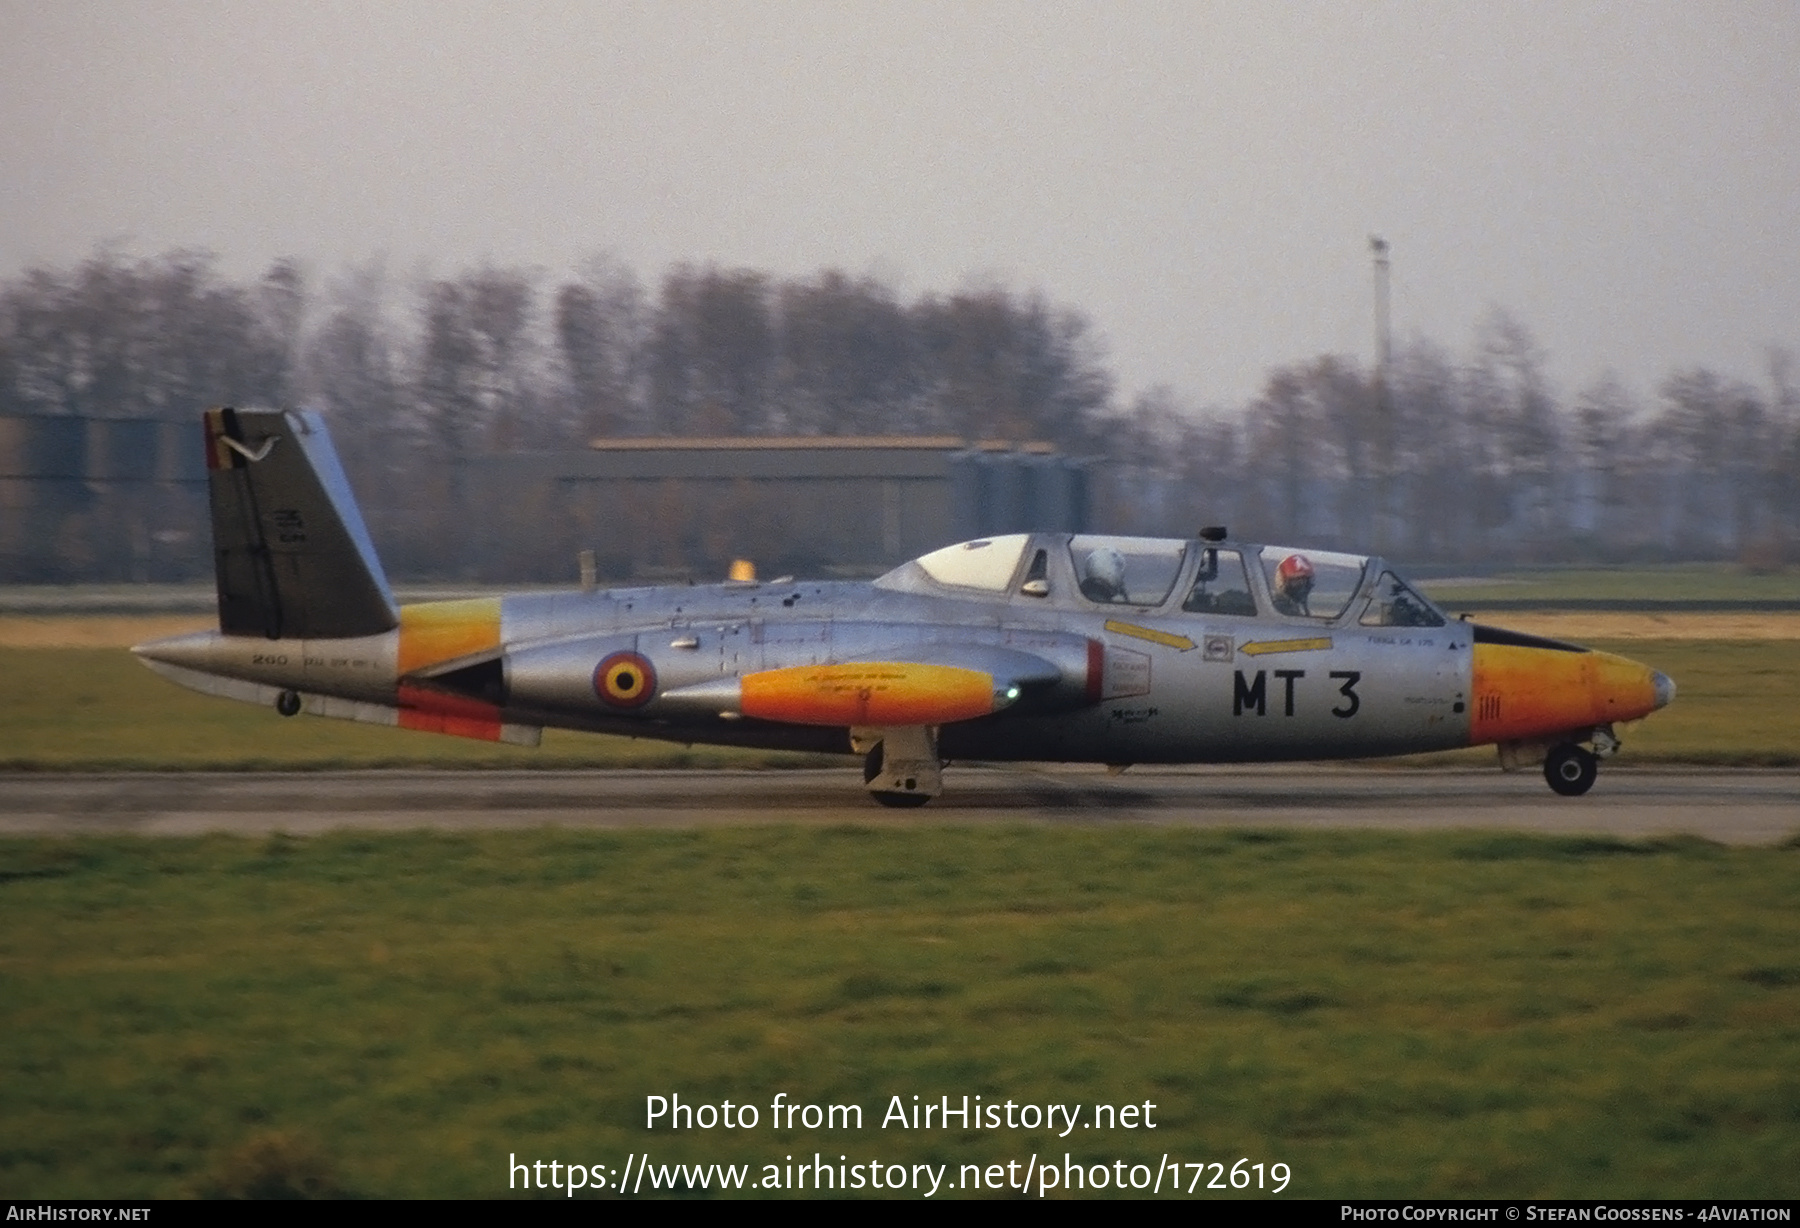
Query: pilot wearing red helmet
[[1293, 585]]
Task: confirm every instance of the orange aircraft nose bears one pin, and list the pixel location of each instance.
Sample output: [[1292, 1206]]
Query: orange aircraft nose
[[1528, 688]]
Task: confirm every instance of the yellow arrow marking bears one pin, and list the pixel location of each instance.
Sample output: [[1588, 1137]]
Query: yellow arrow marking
[[1264, 647], [1181, 642]]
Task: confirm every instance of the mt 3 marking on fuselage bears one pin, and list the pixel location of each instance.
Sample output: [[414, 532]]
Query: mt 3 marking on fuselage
[[1030, 646]]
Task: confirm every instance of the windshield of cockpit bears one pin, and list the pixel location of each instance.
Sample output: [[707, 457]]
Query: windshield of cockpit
[[1320, 584], [1395, 603]]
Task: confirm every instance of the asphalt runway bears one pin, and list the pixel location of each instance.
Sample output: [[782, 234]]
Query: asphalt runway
[[1731, 806]]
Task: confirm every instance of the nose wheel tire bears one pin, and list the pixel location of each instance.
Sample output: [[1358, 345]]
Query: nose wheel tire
[[1570, 770]]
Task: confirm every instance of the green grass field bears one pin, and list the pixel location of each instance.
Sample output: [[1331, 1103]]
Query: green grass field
[[1421, 1014], [78, 708], [1694, 582], [1698, 582], [1446, 1014], [1735, 702]]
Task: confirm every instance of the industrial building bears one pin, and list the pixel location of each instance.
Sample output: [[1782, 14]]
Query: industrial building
[[845, 505], [119, 499], [86, 499]]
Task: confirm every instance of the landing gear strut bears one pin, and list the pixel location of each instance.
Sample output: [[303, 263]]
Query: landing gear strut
[[1570, 770], [887, 797], [902, 769]]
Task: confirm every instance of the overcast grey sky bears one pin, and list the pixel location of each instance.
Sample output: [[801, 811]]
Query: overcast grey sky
[[1201, 179]]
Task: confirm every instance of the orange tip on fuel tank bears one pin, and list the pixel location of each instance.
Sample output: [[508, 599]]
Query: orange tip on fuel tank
[[869, 693]]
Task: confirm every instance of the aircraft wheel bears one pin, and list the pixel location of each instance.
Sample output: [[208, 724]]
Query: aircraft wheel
[[1570, 770], [287, 703]]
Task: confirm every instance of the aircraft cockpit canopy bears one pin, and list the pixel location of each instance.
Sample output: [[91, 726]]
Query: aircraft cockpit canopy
[[987, 563], [1143, 573], [1311, 583], [1135, 571], [1395, 603]]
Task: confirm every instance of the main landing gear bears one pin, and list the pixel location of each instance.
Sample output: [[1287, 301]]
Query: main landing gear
[[900, 799], [901, 767]]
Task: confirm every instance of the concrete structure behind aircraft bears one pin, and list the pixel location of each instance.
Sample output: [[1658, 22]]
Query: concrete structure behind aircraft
[[1030, 646]]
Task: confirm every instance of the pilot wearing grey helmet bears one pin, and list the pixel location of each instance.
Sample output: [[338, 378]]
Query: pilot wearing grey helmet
[[1103, 575]]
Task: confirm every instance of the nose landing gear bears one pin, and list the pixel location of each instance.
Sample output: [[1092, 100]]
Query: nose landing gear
[[1569, 767], [1570, 770]]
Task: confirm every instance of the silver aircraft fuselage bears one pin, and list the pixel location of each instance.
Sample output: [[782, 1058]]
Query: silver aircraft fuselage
[[1049, 646]]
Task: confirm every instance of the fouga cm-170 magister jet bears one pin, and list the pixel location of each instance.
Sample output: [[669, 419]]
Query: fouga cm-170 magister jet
[[1030, 646]]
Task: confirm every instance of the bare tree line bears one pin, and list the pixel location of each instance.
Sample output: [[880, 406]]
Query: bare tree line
[[1466, 457], [499, 358], [1474, 458]]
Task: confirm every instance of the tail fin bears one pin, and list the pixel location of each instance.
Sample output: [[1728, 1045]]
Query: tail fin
[[292, 557]]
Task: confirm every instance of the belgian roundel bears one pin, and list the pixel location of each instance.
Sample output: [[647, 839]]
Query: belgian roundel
[[625, 680]]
